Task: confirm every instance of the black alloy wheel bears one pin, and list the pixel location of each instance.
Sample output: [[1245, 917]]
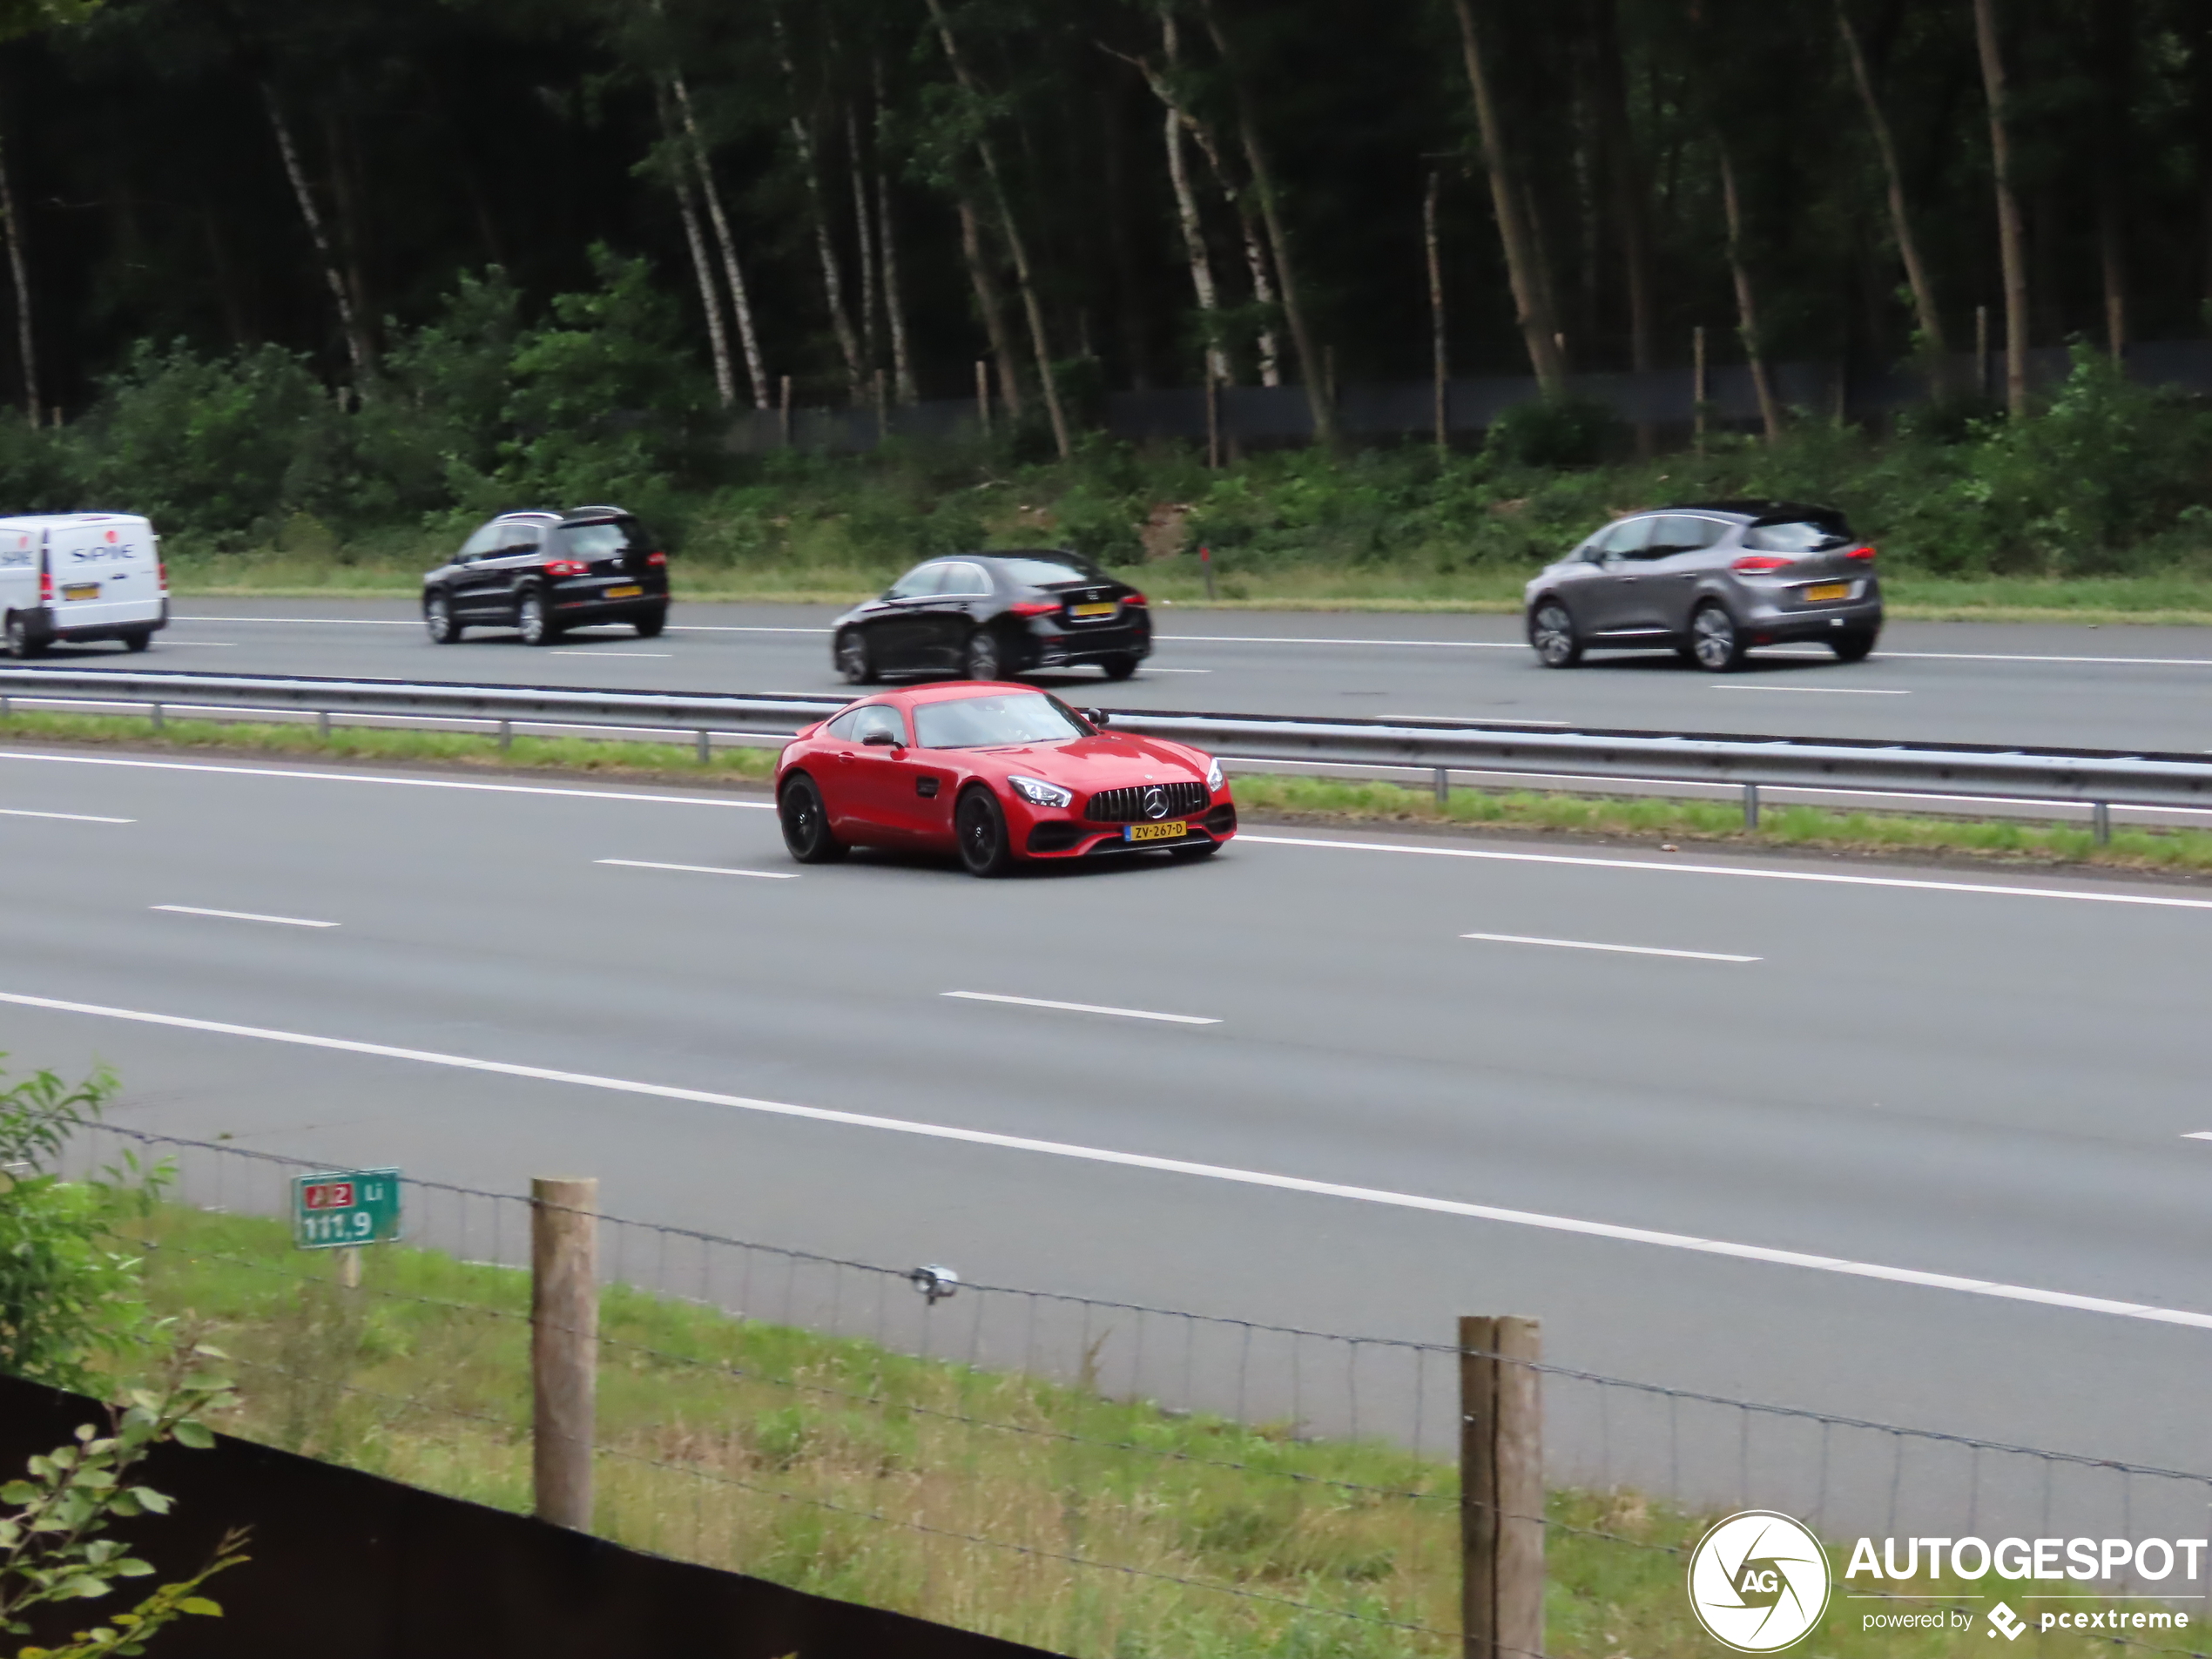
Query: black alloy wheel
[[650, 624], [806, 822], [980, 827], [1119, 666], [1854, 645], [982, 659], [1715, 640], [531, 621], [21, 642], [438, 620], [137, 639], [1551, 631], [853, 661]]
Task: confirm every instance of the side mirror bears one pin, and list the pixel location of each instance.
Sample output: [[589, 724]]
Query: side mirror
[[879, 737], [1096, 717]]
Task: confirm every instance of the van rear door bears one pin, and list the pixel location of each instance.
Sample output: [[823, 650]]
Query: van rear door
[[106, 574]]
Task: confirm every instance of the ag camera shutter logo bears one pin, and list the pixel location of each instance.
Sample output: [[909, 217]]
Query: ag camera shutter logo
[[1758, 1582]]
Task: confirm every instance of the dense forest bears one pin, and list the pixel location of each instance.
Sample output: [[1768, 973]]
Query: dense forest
[[380, 259]]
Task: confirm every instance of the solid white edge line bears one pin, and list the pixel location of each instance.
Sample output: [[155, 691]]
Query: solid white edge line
[[701, 869], [1165, 1166], [240, 915], [1825, 877], [325, 621], [375, 778], [1815, 690], [1082, 1008], [2198, 1134], [1626, 950], [74, 818]]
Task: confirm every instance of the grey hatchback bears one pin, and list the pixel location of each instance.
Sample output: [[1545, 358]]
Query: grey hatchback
[[1711, 580]]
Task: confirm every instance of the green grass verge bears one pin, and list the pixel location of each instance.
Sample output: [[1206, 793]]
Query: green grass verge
[[837, 1465], [1313, 800]]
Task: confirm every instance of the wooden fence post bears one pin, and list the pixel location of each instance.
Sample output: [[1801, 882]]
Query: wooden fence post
[[1501, 1488], [783, 410], [1697, 385], [564, 1346], [983, 397]]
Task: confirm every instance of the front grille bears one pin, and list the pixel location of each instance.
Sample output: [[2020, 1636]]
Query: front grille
[[1127, 805]]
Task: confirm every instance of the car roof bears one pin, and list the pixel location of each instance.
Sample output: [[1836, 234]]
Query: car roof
[[64, 521], [1767, 511]]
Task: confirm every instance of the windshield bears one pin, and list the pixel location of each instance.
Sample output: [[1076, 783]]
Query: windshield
[[1799, 535], [1045, 573], [987, 722]]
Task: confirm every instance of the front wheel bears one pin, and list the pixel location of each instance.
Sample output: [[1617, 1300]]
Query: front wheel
[[1551, 633], [650, 625], [1715, 640], [438, 620], [982, 659], [21, 641], [805, 821], [531, 621], [985, 848], [1855, 647], [1118, 667], [853, 662]]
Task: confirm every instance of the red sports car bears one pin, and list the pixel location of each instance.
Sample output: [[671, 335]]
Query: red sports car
[[994, 772]]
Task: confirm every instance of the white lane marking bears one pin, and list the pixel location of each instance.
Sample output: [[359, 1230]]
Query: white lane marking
[[1823, 691], [1294, 639], [240, 915], [593, 651], [73, 818], [701, 869], [1162, 1165], [1823, 876], [2198, 1134], [372, 777], [1626, 950], [1151, 669], [733, 628], [324, 622], [1083, 1007], [199, 645], [2008, 657]]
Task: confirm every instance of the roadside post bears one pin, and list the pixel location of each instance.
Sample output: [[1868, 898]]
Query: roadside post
[[343, 1210], [564, 1346], [1501, 1488]]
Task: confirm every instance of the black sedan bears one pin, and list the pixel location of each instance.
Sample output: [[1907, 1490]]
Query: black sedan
[[543, 573], [989, 616]]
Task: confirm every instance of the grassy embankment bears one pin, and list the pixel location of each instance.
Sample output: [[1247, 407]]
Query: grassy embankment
[[839, 1467], [1316, 800]]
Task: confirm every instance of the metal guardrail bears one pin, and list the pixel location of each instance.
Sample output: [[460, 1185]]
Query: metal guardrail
[[2097, 778]]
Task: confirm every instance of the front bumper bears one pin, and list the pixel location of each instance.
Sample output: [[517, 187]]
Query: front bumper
[[1061, 834]]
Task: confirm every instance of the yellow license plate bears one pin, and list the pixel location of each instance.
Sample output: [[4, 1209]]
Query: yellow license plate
[[1156, 831], [1827, 590], [631, 592], [81, 590], [1093, 610]]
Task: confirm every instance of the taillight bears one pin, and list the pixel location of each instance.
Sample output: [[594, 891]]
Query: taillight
[[1761, 563], [45, 587], [1034, 607], [657, 558], [162, 566], [1864, 554], [565, 567], [1132, 598]]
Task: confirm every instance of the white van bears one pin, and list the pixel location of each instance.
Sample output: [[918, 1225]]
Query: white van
[[81, 576]]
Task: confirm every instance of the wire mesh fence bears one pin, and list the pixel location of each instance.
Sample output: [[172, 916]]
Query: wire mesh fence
[[1090, 1476]]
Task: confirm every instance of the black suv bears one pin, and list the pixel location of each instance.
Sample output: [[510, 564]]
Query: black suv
[[542, 573], [990, 615]]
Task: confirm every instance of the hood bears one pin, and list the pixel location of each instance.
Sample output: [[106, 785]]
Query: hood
[[1109, 761]]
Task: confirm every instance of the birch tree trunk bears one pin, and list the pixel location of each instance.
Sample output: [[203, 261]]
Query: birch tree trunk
[[988, 301], [894, 307], [2011, 237], [1531, 298], [679, 178], [1318, 391], [2115, 25], [357, 347], [1747, 310], [1927, 318], [1628, 187], [756, 367], [863, 231], [1015, 248], [1439, 363], [825, 245], [25, 345], [1186, 206]]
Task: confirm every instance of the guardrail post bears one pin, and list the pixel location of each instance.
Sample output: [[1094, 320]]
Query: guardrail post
[[505, 734], [157, 724], [1751, 806], [564, 1346], [1443, 786], [322, 724], [1501, 1489], [703, 755], [2100, 822]]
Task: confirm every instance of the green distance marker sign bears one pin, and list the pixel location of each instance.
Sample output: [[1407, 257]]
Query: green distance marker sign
[[345, 1207]]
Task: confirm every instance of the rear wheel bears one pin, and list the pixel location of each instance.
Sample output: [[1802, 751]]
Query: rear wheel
[[806, 822], [1118, 667], [531, 620], [853, 661], [137, 639], [1715, 640], [981, 659], [438, 620], [1855, 647], [650, 625], [1551, 633], [980, 827], [21, 641]]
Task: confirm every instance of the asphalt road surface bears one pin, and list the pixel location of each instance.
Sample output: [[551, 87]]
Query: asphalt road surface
[[1908, 1084], [2106, 688]]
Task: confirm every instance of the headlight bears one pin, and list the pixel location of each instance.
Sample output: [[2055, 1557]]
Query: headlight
[[1213, 774], [1038, 793]]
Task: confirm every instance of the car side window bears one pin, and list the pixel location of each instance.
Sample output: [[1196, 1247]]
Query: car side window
[[917, 582], [876, 720], [1682, 534], [966, 580], [518, 538], [482, 541], [1625, 540]]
